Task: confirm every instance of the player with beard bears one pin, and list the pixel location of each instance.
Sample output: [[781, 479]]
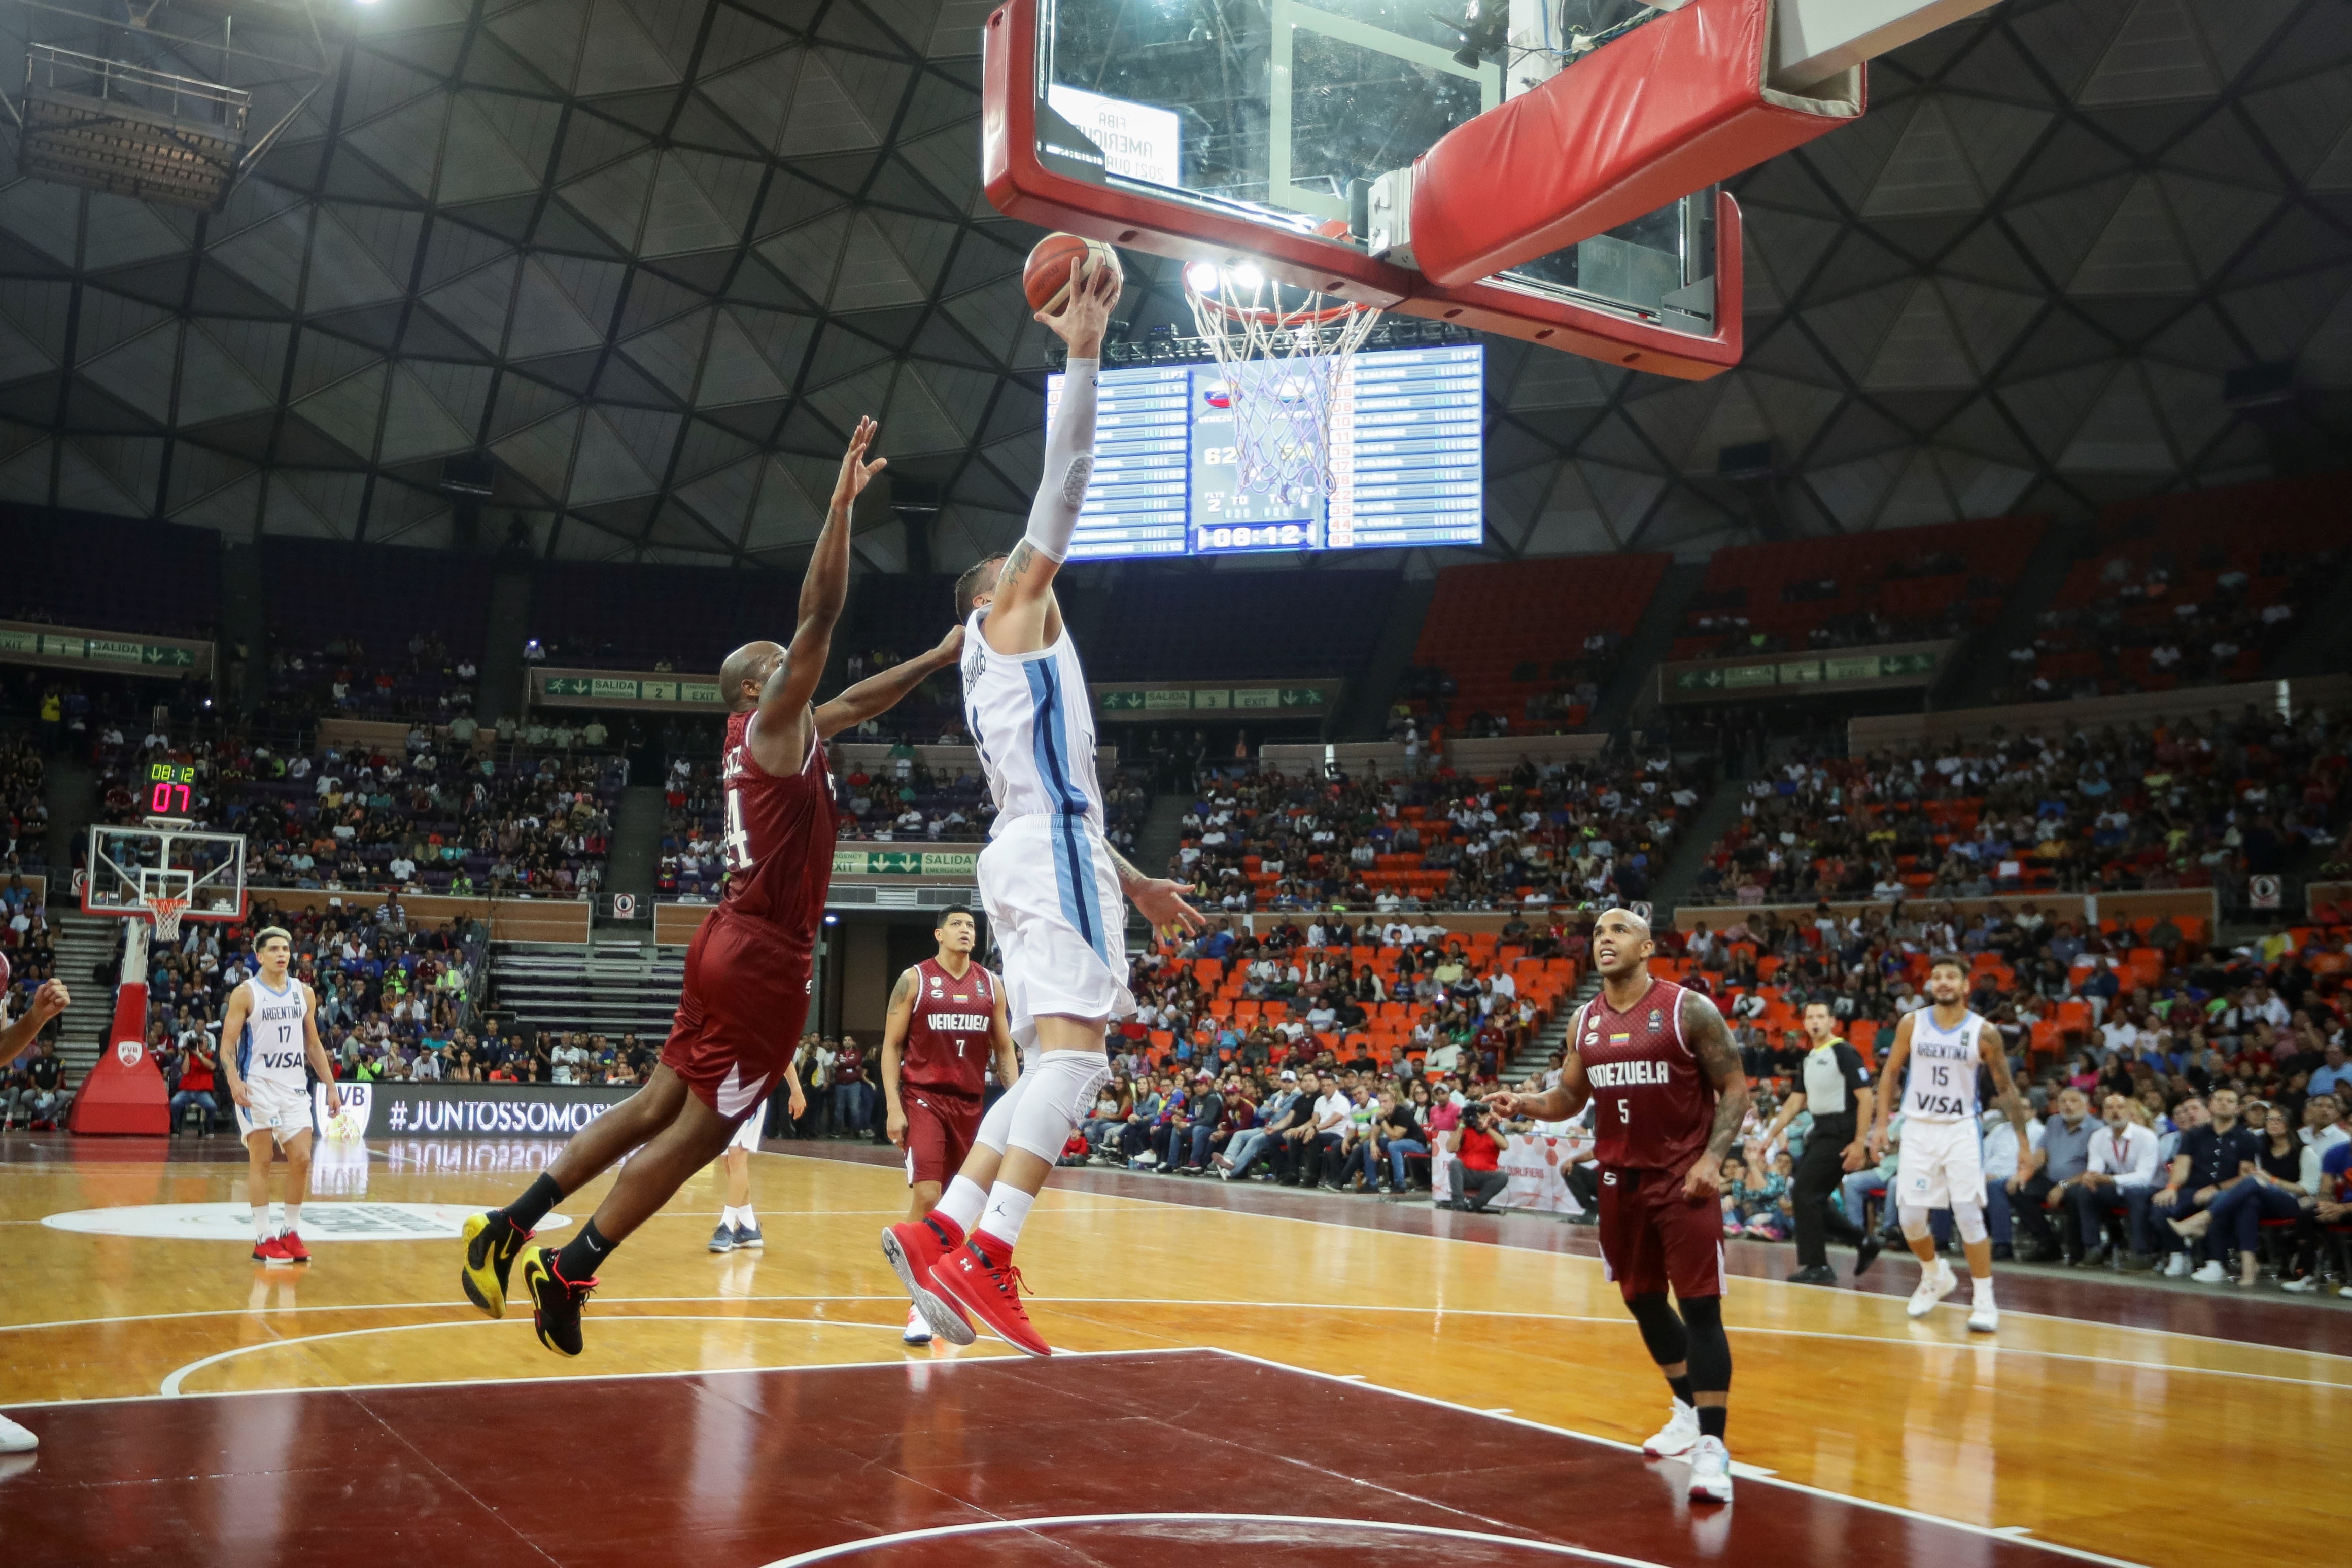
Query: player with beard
[[1936, 1053], [1669, 1097]]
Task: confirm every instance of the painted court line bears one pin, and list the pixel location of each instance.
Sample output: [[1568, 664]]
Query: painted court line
[[1012, 1358], [1081, 1521], [1764, 1476]]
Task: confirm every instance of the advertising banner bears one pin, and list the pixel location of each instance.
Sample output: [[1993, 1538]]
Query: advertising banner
[[389, 1109]]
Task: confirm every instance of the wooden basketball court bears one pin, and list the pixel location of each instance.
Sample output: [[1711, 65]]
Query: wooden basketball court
[[1311, 1378]]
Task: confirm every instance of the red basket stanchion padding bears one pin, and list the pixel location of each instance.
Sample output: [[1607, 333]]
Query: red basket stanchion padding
[[125, 1092]]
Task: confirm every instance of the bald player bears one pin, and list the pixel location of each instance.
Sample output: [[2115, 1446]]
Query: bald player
[[1659, 1068], [750, 969]]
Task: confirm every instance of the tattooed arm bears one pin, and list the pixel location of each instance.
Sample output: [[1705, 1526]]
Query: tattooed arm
[[1710, 1041], [1159, 900]]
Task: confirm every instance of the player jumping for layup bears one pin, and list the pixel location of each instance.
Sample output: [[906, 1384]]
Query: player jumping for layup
[[272, 1029], [1671, 1094], [1050, 882], [749, 972], [946, 1020], [1940, 1163]]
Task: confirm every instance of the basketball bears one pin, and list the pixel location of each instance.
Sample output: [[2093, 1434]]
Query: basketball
[[1046, 277]]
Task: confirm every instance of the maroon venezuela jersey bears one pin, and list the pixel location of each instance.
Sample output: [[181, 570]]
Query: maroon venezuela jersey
[[779, 839], [1653, 1105], [947, 1034]]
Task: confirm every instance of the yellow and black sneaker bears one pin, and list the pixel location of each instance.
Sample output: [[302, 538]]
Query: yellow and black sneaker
[[492, 1244], [555, 1301]]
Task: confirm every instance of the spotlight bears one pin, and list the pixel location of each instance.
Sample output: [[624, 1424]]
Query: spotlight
[[1247, 275], [1484, 27], [1204, 278]]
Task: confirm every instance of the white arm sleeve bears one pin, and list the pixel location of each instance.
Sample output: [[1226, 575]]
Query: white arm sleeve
[[1069, 462]]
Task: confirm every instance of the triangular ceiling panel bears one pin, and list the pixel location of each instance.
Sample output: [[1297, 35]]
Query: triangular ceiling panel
[[659, 254]]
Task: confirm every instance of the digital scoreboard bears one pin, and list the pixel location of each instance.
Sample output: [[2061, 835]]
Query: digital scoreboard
[[1407, 461]]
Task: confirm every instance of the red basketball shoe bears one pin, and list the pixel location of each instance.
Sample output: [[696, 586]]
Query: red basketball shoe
[[292, 1246], [915, 1249], [271, 1251], [990, 1292]]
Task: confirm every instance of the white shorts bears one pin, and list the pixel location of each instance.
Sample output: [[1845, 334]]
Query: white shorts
[[1055, 910], [1936, 1161], [283, 1108], [747, 1132]]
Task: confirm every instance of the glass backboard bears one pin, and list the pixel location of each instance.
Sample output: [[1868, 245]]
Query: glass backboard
[[128, 867], [1279, 113]]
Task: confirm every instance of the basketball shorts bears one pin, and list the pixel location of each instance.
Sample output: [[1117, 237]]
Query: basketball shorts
[[747, 1135], [1937, 1160], [738, 1019], [282, 1108], [940, 1129], [1054, 907], [1652, 1236]]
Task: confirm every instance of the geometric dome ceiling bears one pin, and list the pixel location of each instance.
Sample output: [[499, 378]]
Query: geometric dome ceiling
[[654, 258]]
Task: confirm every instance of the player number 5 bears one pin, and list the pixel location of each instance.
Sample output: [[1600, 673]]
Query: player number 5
[[1625, 1113]]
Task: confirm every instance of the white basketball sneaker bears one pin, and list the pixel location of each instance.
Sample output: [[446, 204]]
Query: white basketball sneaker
[[1710, 1478], [1984, 1317], [2209, 1272], [2177, 1266], [15, 1439], [1934, 1284], [918, 1331], [1678, 1436]]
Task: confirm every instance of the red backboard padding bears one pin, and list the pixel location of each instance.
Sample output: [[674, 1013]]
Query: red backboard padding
[[1671, 107]]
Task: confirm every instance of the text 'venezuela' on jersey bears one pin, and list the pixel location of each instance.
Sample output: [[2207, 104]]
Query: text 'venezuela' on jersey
[[1653, 1105], [947, 1046], [779, 838], [1034, 723], [274, 1048], [1940, 1079]]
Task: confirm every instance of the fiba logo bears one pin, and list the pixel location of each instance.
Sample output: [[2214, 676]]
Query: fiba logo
[[129, 1051]]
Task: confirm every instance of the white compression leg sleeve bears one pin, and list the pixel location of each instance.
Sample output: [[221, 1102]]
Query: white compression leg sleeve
[[1969, 1219], [1069, 462], [997, 1126], [1061, 1086], [1914, 1221]]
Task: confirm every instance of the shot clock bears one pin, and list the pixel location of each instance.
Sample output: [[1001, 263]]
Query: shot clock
[[170, 788]]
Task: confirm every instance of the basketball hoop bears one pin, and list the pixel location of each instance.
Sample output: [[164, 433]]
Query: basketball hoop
[[166, 910], [1288, 372]]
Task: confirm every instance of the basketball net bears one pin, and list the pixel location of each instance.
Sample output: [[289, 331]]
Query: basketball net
[[1289, 373], [166, 911]]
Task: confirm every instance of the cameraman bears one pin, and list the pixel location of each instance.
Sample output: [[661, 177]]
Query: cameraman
[[1477, 1149]]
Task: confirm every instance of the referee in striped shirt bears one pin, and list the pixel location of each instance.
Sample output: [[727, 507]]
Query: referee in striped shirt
[[1836, 1090]]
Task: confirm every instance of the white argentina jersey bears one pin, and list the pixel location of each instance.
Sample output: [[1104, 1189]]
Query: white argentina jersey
[[1941, 1077], [273, 1047], [1035, 725]]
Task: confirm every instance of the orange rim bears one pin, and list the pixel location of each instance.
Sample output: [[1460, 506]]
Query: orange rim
[[1260, 314]]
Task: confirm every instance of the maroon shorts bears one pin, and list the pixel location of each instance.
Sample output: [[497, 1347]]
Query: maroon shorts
[[939, 1132], [1653, 1236], [739, 1020]]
